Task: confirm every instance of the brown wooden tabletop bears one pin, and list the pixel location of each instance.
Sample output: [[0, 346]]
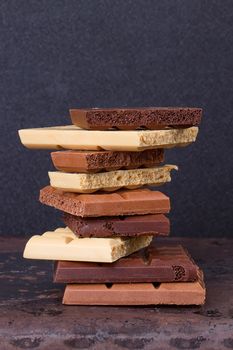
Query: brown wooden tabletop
[[32, 316]]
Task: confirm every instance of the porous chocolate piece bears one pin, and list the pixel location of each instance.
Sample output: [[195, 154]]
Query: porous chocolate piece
[[111, 181], [122, 202], [95, 161], [152, 264], [134, 118], [122, 226]]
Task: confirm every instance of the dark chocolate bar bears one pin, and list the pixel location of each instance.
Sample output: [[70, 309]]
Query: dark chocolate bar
[[115, 226], [153, 264], [95, 161], [121, 202], [134, 118]]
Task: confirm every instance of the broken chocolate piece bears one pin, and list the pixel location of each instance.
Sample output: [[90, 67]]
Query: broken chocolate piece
[[160, 263], [170, 293], [134, 118], [136, 225], [62, 244], [72, 137], [122, 202], [97, 161]]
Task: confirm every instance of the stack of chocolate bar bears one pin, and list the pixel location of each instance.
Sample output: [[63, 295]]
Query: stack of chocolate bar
[[104, 254]]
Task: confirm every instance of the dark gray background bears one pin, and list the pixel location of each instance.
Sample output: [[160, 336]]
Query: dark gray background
[[60, 54]]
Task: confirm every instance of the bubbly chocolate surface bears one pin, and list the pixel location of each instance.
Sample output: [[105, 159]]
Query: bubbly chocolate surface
[[96, 161], [134, 118]]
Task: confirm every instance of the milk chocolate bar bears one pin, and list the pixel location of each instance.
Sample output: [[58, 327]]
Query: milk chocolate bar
[[97, 161], [111, 180], [114, 226], [170, 293], [122, 202], [72, 137], [152, 264], [133, 118], [62, 244]]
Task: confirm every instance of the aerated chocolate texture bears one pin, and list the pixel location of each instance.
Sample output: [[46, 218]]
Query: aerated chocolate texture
[[152, 264], [95, 161], [122, 202], [133, 118], [111, 180], [140, 225]]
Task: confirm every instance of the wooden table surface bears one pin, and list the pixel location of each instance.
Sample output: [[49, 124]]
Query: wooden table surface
[[32, 316]]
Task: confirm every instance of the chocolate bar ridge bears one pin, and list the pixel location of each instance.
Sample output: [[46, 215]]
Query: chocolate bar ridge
[[96, 161], [136, 225], [133, 118]]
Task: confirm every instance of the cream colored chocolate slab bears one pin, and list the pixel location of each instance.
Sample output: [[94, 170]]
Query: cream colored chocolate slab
[[62, 244], [72, 137], [171, 293], [112, 180]]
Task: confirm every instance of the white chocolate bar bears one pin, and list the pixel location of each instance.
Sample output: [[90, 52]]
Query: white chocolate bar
[[111, 180], [63, 244], [73, 137]]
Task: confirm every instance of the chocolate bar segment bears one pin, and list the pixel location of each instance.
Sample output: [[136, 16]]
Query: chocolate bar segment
[[134, 118], [153, 264], [171, 293], [62, 244], [122, 202], [137, 225], [72, 137], [111, 180], [96, 161]]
